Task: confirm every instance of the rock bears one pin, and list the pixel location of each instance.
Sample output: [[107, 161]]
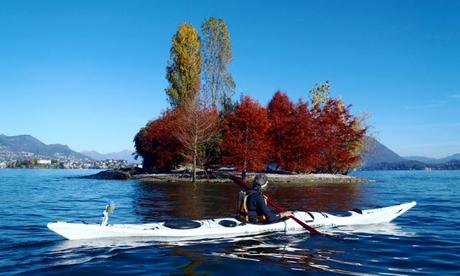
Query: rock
[[110, 174]]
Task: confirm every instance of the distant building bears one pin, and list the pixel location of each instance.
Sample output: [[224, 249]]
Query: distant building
[[43, 162], [2, 165]]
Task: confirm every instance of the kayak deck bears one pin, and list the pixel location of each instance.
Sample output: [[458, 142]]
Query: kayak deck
[[225, 227]]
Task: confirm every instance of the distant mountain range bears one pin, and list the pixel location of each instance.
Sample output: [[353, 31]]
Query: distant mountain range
[[23, 147], [121, 155], [429, 160], [379, 157]]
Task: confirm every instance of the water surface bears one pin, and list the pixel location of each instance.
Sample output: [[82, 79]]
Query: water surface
[[423, 241]]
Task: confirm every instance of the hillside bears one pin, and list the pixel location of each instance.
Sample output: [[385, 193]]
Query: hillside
[[378, 153], [426, 160], [380, 157], [23, 147], [429, 160]]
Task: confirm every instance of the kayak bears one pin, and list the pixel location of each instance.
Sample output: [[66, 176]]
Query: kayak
[[182, 230]]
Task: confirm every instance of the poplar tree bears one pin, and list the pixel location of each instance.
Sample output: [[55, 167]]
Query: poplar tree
[[217, 55], [184, 68]]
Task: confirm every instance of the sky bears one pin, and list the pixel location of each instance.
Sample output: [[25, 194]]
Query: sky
[[90, 74]]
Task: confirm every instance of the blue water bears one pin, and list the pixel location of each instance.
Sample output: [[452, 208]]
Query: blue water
[[423, 241]]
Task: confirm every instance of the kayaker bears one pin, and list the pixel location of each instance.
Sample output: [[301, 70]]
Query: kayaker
[[253, 204]]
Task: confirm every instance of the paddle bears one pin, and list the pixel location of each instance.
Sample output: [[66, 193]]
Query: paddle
[[244, 185]]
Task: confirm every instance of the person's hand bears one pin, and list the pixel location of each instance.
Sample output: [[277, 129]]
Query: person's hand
[[286, 214]]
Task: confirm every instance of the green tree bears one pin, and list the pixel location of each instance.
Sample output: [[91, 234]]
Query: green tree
[[184, 69], [217, 54], [366, 143], [321, 93]]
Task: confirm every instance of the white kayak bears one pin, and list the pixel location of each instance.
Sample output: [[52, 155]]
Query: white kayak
[[225, 227]]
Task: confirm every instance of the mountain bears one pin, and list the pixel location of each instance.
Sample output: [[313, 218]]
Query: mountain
[[450, 158], [453, 164], [379, 157], [377, 153], [121, 155], [429, 160], [401, 165], [22, 147]]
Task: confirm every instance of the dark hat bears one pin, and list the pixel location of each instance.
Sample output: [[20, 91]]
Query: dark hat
[[260, 180]]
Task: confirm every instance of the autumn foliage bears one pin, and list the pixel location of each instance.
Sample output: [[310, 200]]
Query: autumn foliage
[[195, 127], [302, 145], [324, 138], [338, 137], [281, 116], [157, 144], [203, 127], [246, 144]]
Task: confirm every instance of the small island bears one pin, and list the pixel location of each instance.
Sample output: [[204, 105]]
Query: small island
[[222, 177], [316, 139]]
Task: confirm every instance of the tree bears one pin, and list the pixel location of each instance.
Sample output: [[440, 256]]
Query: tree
[[280, 114], [338, 137], [157, 145], [321, 93], [246, 143], [365, 144], [292, 132], [217, 54], [196, 126], [184, 69], [301, 153]]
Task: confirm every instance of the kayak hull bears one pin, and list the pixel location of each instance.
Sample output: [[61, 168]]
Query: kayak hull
[[226, 227]]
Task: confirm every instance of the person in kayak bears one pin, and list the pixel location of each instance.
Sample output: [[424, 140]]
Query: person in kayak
[[253, 204]]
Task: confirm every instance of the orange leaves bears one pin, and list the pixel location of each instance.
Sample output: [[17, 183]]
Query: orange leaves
[[157, 144], [246, 143], [338, 137], [292, 134], [195, 126], [325, 138]]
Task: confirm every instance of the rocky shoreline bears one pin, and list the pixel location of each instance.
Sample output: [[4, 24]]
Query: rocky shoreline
[[124, 174]]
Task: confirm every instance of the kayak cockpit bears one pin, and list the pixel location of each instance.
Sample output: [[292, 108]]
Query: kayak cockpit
[[182, 224]]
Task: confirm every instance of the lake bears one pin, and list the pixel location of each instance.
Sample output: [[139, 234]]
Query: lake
[[425, 240]]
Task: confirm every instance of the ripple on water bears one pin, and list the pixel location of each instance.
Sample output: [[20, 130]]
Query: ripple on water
[[424, 240]]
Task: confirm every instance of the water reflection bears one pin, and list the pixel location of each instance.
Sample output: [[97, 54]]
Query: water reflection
[[365, 231], [160, 201], [287, 252]]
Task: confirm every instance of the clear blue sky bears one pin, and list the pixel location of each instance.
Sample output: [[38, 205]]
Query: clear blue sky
[[89, 74]]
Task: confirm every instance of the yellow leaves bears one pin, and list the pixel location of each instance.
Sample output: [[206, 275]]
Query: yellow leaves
[[184, 70]]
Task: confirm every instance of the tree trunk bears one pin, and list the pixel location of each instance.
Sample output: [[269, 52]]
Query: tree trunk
[[243, 172], [194, 160]]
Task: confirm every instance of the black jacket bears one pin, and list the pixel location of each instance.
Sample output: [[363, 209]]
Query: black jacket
[[257, 207]]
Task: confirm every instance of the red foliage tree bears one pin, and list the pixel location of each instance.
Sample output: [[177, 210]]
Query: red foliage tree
[[195, 127], [301, 154], [246, 143], [338, 137], [157, 145], [280, 114], [292, 133]]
